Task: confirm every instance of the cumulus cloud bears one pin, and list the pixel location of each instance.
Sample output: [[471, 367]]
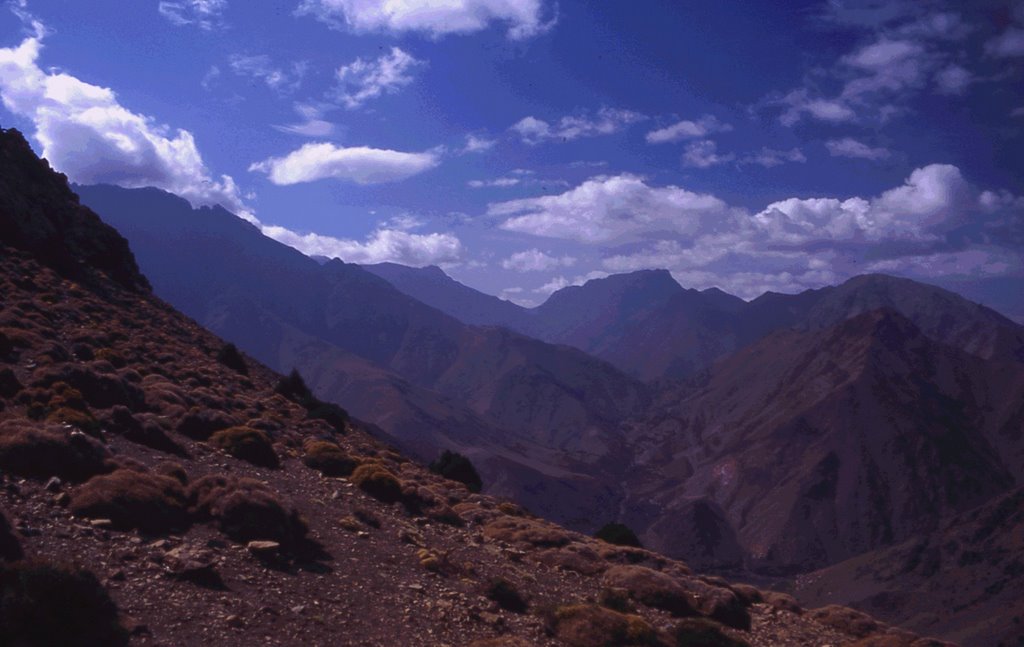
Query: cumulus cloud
[[86, 133], [1008, 44], [524, 18], [606, 122], [770, 158], [704, 154], [205, 14], [849, 147], [383, 245], [687, 129], [477, 144], [359, 164], [605, 209], [534, 260], [261, 68], [362, 80]]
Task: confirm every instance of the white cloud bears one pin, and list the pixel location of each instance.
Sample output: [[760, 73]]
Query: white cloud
[[312, 125], [433, 17], [501, 182], [953, 80], [363, 80], [559, 282], [534, 260], [985, 261], [477, 144], [679, 131], [704, 154], [800, 104], [86, 133], [849, 147], [606, 122], [205, 14], [769, 157], [383, 245], [605, 209], [1008, 44], [261, 68], [359, 164]]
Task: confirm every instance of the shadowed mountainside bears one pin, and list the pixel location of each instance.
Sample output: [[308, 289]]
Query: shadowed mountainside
[[214, 505]]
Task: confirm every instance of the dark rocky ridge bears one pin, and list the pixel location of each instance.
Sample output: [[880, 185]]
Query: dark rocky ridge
[[40, 214]]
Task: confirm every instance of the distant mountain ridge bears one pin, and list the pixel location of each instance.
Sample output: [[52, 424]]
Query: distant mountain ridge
[[649, 326]]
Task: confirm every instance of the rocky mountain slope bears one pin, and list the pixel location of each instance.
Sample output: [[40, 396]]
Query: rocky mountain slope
[[539, 418], [160, 488]]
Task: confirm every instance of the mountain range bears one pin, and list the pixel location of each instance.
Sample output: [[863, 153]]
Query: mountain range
[[780, 436]]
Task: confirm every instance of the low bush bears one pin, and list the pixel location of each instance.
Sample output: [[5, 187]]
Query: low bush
[[229, 356], [847, 620], [328, 459], [456, 467], [130, 499], [651, 588], [701, 632], [10, 547], [506, 595], [77, 418], [246, 511], [294, 388], [247, 444], [377, 481], [40, 451], [45, 604], [527, 532], [618, 534], [147, 431], [588, 625], [200, 424]]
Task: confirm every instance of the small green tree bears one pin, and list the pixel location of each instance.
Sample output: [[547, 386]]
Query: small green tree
[[619, 534], [457, 467]]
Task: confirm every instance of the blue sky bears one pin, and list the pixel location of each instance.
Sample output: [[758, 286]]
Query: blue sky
[[525, 145]]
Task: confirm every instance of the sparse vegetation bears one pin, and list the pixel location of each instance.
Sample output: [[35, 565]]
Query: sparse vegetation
[[247, 444], [651, 588], [131, 499], [618, 534], [456, 467], [294, 388], [229, 356], [506, 595], [377, 481], [48, 605], [246, 510], [701, 632], [328, 458], [41, 451], [589, 625]]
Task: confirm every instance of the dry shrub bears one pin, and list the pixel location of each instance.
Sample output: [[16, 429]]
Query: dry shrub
[[528, 532], [100, 391], [574, 557], [247, 444], [144, 431], [748, 594], [9, 384], [200, 424], [588, 625], [328, 458], [10, 547], [40, 451], [701, 632], [173, 470], [377, 481], [782, 601], [506, 595], [847, 620], [651, 588], [46, 604], [82, 420], [131, 499], [717, 602], [246, 510]]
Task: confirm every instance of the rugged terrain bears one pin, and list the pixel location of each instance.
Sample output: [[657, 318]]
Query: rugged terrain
[[216, 502]]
